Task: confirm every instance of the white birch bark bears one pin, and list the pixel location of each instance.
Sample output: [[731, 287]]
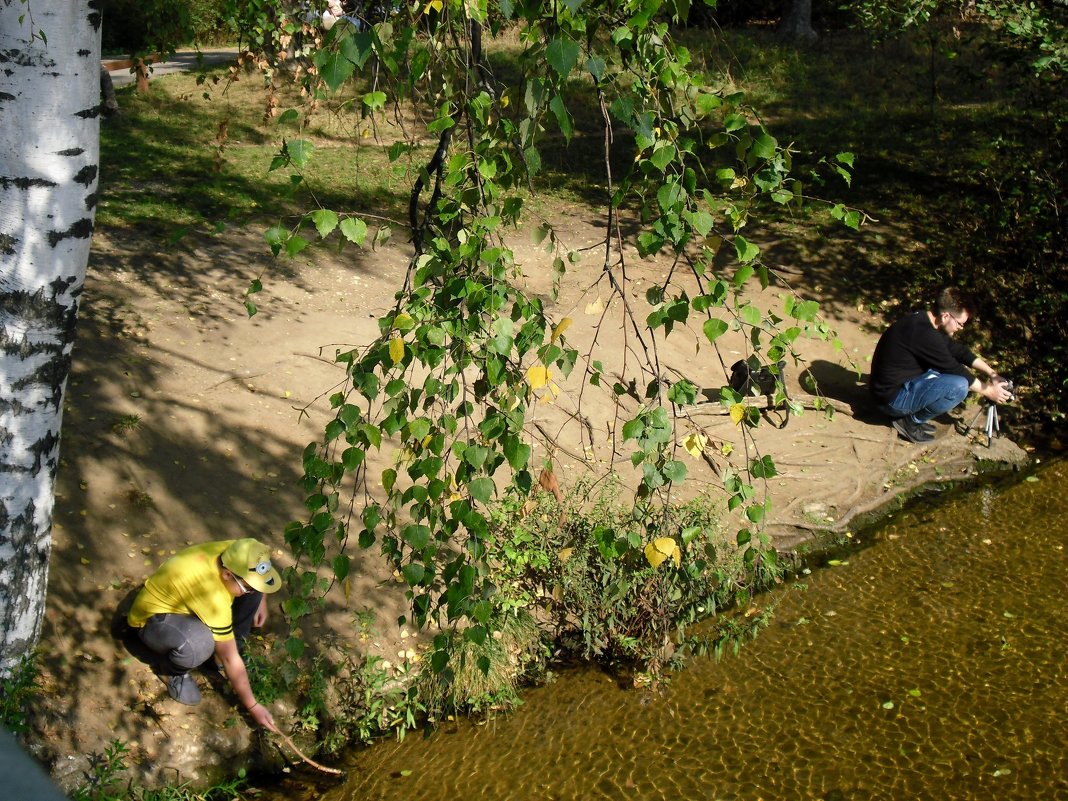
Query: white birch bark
[[49, 155]]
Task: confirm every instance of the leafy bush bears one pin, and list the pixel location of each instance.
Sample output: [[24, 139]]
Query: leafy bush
[[610, 586], [484, 673], [367, 699], [17, 691]]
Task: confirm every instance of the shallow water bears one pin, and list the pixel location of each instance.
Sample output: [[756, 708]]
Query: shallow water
[[931, 665]]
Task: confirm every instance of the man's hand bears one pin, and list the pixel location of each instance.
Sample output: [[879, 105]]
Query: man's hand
[[260, 617], [996, 391], [262, 716]]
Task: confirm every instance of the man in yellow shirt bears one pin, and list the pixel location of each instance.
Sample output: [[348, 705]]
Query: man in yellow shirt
[[205, 600]]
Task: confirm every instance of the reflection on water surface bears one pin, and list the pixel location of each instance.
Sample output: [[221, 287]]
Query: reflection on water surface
[[930, 666]]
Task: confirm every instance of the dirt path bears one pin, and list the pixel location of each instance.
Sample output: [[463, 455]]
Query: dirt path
[[183, 424]]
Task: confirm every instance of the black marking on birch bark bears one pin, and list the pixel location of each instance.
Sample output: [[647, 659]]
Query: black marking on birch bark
[[26, 570], [89, 113], [83, 229], [73, 151], [26, 58], [94, 14], [12, 407], [24, 183], [45, 451], [90, 200], [86, 175], [84, 53], [4, 97], [40, 310], [43, 312], [7, 245]]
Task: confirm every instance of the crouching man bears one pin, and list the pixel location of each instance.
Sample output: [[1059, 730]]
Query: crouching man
[[203, 601], [920, 371]]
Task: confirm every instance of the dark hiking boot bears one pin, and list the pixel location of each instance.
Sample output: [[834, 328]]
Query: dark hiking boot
[[183, 689], [913, 432]]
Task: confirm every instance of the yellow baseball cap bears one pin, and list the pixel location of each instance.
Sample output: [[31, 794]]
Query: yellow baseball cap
[[250, 561]]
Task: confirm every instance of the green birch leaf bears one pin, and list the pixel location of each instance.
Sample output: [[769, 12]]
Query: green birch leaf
[[325, 221], [416, 536], [745, 249], [354, 229], [714, 328], [299, 151], [562, 55], [374, 100], [482, 489], [413, 573], [764, 146], [295, 244], [334, 68], [562, 117]]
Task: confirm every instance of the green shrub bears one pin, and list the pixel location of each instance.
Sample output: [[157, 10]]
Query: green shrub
[[17, 691], [484, 675], [367, 700], [613, 587]]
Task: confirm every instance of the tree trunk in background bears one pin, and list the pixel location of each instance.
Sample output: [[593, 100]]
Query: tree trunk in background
[[49, 155], [796, 23]]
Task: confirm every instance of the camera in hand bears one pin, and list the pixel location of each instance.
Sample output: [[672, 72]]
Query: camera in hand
[[1009, 387]]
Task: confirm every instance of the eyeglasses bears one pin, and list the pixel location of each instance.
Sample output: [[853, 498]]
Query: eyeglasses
[[241, 585], [960, 323]]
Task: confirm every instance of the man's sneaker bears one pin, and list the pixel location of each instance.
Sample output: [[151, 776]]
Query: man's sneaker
[[913, 432], [183, 689]]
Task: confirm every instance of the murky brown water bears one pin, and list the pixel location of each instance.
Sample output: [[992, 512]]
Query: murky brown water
[[930, 666]]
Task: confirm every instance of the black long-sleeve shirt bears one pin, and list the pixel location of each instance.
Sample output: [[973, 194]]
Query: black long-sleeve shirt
[[909, 348]]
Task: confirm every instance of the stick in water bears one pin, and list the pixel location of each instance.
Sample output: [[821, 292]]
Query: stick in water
[[310, 761]]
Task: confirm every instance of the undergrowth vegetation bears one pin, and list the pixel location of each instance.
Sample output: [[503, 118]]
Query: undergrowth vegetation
[[107, 780], [606, 588], [576, 579]]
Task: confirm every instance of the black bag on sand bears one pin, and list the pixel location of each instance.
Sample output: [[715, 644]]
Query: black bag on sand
[[762, 381]]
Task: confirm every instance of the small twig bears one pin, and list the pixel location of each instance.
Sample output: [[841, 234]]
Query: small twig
[[309, 760]]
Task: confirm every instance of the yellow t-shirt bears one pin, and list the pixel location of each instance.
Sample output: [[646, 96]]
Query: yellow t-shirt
[[189, 584]]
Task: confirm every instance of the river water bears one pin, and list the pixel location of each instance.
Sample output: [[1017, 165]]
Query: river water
[[931, 665]]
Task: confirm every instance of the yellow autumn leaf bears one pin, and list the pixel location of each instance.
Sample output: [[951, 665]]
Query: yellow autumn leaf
[[695, 444], [565, 554], [433, 5], [595, 307], [738, 413], [662, 548], [560, 328], [403, 321], [726, 448], [537, 376], [396, 349], [551, 395]]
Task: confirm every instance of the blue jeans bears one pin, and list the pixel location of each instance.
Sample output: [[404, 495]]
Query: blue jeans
[[927, 396], [185, 642]]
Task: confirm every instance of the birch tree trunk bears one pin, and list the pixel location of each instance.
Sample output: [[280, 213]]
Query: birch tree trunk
[[49, 154]]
